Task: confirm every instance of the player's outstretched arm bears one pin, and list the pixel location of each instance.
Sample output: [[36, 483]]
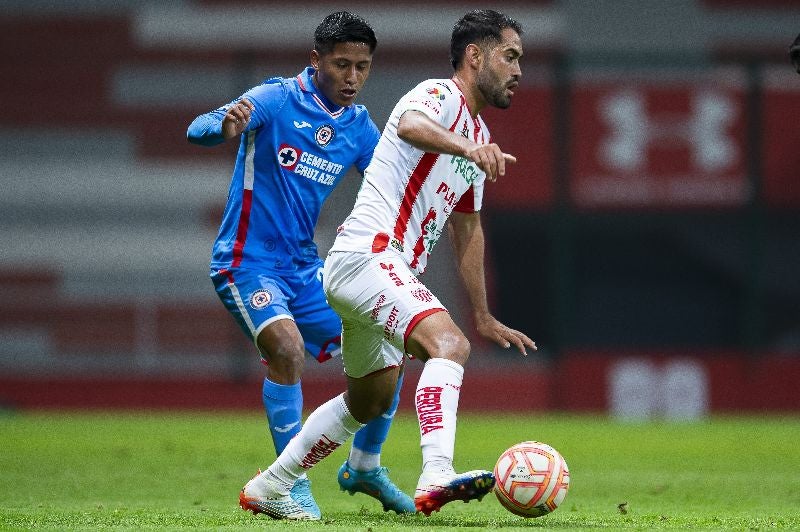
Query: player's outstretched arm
[[466, 236], [220, 125], [427, 135]]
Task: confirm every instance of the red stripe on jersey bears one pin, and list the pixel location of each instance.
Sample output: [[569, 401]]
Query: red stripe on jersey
[[241, 231], [418, 177], [458, 117], [229, 275]]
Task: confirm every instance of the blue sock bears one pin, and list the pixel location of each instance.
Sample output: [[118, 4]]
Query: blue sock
[[371, 437], [284, 406]]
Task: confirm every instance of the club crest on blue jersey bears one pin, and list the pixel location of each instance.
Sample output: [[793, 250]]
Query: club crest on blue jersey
[[324, 134], [260, 299], [288, 156]]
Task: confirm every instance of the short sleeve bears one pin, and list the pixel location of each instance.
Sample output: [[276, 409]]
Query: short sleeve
[[267, 99], [433, 98]]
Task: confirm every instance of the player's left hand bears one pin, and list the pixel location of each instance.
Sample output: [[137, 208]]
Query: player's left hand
[[490, 328], [236, 119]]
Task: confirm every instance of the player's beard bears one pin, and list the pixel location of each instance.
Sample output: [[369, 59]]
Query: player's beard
[[493, 89]]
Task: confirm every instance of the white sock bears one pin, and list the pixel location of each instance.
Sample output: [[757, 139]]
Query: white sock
[[436, 401], [362, 460], [326, 429]]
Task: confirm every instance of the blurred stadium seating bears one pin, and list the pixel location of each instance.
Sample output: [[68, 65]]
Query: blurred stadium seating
[[108, 213]]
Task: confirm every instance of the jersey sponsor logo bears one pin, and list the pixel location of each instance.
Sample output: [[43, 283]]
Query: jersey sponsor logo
[[427, 238], [436, 93], [390, 327], [308, 165], [318, 169], [377, 308], [288, 156], [423, 294], [392, 275], [465, 169], [448, 195], [260, 299], [324, 134], [301, 125]]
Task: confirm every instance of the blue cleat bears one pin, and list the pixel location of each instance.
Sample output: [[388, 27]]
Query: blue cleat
[[377, 484], [301, 494]]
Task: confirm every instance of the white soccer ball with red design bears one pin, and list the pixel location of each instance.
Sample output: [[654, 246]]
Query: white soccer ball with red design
[[532, 479]]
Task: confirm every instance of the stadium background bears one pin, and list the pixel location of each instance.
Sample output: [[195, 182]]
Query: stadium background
[[647, 239]]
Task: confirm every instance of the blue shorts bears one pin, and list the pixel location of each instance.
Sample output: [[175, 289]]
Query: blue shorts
[[258, 298]]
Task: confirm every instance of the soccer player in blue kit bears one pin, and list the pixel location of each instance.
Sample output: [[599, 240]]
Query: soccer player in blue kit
[[298, 137]]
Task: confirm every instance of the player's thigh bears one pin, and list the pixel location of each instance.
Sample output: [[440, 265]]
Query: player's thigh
[[255, 301], [318, 323], [380, 301]]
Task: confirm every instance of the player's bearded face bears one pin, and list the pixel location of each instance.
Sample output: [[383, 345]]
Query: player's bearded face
[[499, 74], [341, 73]]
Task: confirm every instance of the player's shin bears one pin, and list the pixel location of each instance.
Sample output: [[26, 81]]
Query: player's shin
[[365, 455], [324, 431], [284, 407], [436, 402]]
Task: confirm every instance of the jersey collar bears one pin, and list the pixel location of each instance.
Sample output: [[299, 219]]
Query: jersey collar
[[307, 85]]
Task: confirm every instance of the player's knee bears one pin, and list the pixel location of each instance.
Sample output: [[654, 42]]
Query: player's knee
[[368, 411], [452, 346], [368, 405], [285, 360]]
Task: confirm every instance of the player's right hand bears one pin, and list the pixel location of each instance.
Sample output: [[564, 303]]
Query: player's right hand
[[237, 118], [491, 159]]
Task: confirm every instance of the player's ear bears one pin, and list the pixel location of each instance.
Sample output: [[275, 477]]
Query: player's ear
[[473, 55], [315, 59]]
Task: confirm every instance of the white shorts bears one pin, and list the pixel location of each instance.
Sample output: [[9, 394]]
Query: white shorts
[[380, 302]]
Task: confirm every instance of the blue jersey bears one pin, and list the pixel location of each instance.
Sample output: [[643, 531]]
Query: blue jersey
[[295, 150]]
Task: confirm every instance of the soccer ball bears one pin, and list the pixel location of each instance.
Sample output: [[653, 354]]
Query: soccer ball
[[532, 479]]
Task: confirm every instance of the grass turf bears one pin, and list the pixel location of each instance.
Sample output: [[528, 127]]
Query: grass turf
[[89, 471]]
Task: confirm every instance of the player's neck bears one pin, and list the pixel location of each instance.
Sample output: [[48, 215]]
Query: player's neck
[[327, 101], [466, 84]]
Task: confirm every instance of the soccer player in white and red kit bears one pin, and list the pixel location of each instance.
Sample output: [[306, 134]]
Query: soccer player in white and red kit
[[428, 170]]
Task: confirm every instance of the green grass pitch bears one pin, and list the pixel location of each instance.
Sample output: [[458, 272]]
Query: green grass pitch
[[125, 471]]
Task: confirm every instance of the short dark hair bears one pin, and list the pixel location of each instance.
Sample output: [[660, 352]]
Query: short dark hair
[[343, 26], [480, 27]]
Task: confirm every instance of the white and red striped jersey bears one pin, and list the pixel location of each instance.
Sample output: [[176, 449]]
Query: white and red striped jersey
[[408, 194]]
